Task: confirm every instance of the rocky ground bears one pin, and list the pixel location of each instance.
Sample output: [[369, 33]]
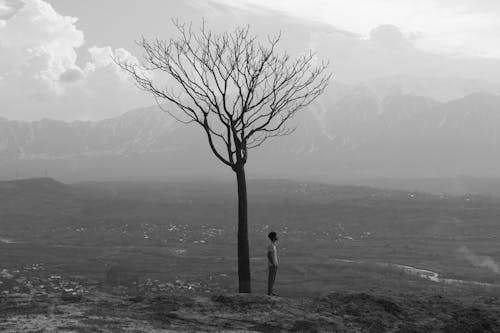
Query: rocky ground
[[65, 305]]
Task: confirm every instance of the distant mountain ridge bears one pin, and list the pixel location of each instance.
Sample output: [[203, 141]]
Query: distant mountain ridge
[[350, 134], [134, 131]]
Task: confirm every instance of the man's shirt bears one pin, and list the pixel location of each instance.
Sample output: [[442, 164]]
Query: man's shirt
[[272, 255]]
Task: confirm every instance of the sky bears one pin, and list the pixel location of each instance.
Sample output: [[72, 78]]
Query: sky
[[56, 55]]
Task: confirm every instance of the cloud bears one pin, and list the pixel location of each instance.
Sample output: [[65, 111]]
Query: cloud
[[385, 44], [47, 69], [479, 261], [9, 8], [71, 75], [39, 43], [39, 73], [466, 28], [105, 58], [390, 36], [389, 51]]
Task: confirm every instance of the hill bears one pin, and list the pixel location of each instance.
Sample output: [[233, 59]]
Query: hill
[[31, 205], [99, 311]]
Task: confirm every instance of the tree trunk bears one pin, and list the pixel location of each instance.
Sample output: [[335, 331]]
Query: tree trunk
[[243, 249]]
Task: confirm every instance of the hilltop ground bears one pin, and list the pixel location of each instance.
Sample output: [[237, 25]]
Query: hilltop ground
[[116, 311]]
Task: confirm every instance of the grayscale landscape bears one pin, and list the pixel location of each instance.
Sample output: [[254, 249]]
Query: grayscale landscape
[[371, 129]]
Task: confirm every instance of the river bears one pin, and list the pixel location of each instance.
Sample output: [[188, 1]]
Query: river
[[6, 240], [422, 273]]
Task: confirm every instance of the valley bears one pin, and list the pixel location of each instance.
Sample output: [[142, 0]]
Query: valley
[[331, 237], [150, 257]]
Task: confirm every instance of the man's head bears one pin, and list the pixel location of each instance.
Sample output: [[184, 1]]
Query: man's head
[[273, 236]]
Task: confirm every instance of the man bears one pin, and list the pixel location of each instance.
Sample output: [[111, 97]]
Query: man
[[272, 258]]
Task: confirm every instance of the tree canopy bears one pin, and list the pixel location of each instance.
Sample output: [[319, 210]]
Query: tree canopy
[[239, 90]]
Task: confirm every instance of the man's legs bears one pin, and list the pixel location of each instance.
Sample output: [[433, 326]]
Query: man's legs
[[271, 278]]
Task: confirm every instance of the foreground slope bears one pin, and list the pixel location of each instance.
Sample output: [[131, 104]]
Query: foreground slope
[[175, 312]]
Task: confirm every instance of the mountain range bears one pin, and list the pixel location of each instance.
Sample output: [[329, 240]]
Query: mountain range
[[353, 133]]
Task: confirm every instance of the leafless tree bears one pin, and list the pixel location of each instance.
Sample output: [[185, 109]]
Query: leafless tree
[[239, 90]]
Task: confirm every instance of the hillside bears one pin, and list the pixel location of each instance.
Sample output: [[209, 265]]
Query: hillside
[[31, 205], [98, 311]]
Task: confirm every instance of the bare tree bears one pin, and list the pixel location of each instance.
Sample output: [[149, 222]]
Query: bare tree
[[239, 90]]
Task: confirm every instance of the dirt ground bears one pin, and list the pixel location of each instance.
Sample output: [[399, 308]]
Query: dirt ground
[[105, 311]]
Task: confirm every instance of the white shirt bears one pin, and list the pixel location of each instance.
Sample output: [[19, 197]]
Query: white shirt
[[272, 248]]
